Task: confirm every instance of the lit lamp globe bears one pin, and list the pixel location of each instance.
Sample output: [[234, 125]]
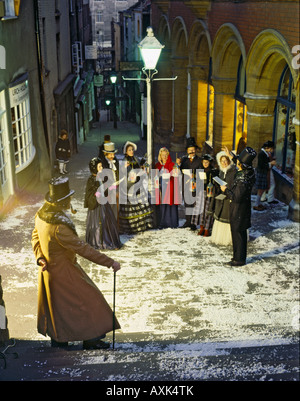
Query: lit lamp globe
[[107, 102], [113, 78], [150, 49]]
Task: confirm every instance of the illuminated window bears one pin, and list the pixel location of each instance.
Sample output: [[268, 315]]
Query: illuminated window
[[3, 147], [240, 111], [210, 108], [284, 129]]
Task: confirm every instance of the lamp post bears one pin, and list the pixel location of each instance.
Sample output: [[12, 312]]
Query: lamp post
[[150, 49], [113, 80], [107, 102]]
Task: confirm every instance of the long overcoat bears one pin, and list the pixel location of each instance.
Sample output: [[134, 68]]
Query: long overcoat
[[70, 305], [240, 199]]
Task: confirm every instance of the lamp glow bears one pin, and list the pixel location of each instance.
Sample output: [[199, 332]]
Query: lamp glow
[[150, 49]]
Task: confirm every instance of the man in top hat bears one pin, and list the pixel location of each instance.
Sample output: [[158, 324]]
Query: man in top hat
[[239, 194], [188, 165], [110, 175], [101, 147], [70, 305], [263, 170]]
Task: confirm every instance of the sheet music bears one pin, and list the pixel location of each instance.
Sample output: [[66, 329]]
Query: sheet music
[[219, 181]]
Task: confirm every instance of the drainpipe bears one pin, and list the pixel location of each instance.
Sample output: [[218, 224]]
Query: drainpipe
[[40, 64]]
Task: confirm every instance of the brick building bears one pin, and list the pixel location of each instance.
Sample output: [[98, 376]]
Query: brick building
[[238, 71]]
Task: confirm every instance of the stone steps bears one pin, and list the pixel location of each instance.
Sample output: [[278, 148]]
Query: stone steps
[[38, 362]]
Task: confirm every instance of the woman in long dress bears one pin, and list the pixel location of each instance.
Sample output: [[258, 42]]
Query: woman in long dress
[[167, 192], [101, 225], [201, 213], [136, 214], [221, 232]]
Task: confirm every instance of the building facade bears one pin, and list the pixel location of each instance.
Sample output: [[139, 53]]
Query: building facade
[[46, 85], [237, 65], [103, 12], [24, 155]]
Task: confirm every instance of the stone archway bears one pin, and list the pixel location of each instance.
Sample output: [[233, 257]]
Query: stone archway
[[267, 57], [179, 39], [227, 50], [199, 49]]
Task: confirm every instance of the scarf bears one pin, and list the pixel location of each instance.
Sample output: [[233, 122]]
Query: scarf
[[52, 214]]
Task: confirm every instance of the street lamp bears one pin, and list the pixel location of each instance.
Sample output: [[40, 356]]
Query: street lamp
[[150, 49], [113, 79], [107, 102]]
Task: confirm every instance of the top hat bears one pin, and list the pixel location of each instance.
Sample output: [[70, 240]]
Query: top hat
[[207, 157], [109, 147], [128, 143], [93, 164], [59, 190], [190, 142], [247, 156], [268, 144]]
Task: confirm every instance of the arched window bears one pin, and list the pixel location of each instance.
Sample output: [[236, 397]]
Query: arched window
[[240, 110], [284, 130]]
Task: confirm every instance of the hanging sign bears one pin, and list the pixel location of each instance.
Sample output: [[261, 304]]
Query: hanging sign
[[98, 80], [91, 52]]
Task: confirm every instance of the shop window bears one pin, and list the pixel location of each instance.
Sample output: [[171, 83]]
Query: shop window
[[240, 111], [284, 129], [21, 125], [3, 155]]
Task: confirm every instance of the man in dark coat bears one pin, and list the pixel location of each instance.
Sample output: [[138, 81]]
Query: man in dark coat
[[189, 162], [240, 204], [63, 151], [264, 166]]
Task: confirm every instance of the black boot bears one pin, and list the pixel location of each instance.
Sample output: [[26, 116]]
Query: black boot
[[95, 344], [56, 344]]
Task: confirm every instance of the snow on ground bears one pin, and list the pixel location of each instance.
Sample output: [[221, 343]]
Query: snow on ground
[[175, 285]]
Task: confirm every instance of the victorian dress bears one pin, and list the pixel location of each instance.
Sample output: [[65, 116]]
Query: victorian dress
[[135, 211], [101, 225], [189, 166], [263, 170], [221, 232], [201, 213], [167, 194], [70, 305], [110, 177]]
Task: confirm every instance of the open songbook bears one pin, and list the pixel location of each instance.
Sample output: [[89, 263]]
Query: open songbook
[[219, 181]]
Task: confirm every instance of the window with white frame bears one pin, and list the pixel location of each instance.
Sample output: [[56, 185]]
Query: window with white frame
[[21, 125], [10, 8], [99, 16], [3, 153]]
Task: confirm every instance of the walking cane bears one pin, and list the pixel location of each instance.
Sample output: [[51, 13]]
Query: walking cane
[[114, 307]]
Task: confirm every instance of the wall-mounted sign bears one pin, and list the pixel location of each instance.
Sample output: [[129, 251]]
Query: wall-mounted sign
[[18, 93]]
